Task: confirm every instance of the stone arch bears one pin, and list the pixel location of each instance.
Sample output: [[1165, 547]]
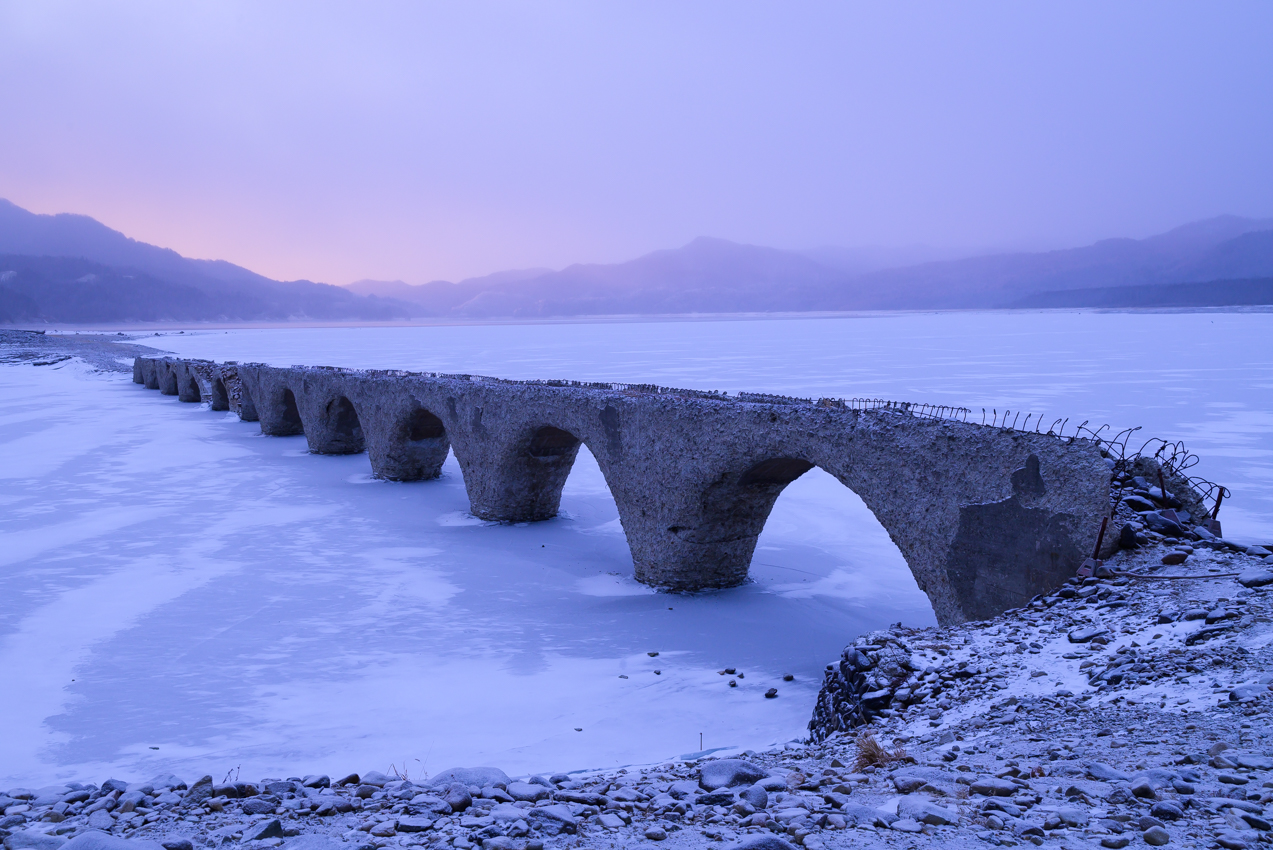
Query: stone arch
[[731, 514], [247, 406], [525, 485], [188, 386], [290, 415], [278, 412], [218, 396], [338, 431], [416, 447], [167, 374]]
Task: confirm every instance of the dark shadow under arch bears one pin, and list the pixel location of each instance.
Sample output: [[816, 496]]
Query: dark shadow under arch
[[190, 391], [343, 428], [218, 398], [290, 420], [553, 444], [421, 425], [416, 449]]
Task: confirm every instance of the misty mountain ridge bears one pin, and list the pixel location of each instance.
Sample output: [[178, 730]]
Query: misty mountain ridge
[[711, 275], [71, 268]]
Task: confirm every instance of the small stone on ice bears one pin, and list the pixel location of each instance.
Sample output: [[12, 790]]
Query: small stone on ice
[[771, 693]]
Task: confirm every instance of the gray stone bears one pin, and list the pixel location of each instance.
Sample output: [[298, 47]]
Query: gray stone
[[1252, 762], [1086, 634], [655, 833], [1247, 693], [728, 773], [1156, 836], [479, 776], [764, 842], [1256, 578], [907, 825], [526, 792], [23, 840], [431, 803], [415, 824], [101, 841], [610, 820], [1105, 773], [1167, 810], [315, 841], [259, 806], [316, 781], [992, 786], [756, 796], [177, 844], [199, 792], [553, 819], [857, 814], [101, 819], [695, 474], [375, 777], [262, 831], [924, 811], [457, 796]]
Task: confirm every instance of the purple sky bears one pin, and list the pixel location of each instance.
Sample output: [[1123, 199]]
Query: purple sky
[[423, 141]]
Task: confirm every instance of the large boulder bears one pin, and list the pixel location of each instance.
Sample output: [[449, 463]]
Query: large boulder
[[479, 776], [727, 773], [94, 840], [23, 840]]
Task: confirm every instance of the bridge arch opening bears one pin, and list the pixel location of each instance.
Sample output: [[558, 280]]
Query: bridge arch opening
[[553, 445], [421, 425], [291, 414], [818, 539], [416, 449], [343, 426], [219, 399], [190, 390]]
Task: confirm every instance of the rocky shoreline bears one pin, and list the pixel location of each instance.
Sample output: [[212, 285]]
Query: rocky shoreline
[[1115, 712]]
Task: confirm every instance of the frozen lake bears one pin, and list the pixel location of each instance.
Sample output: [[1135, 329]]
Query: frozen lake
[[185, 595]]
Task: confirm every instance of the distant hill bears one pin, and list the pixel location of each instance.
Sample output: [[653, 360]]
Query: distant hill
[[72, 268], [1214, 293], [718, 276]]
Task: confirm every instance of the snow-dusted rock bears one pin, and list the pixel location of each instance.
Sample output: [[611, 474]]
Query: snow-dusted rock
[[479, 776], [727, 773]]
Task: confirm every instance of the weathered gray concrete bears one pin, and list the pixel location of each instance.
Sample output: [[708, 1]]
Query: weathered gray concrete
[[986, 517]]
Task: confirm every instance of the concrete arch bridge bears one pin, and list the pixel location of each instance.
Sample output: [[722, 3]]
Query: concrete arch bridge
[[986, 517]]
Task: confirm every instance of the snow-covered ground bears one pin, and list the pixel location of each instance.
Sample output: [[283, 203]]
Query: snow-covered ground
[[182, 594]]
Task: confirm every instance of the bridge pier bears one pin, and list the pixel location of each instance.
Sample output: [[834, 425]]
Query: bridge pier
[[272, 400], [406, 438], [187, 382], [166, 372], [149, 373]]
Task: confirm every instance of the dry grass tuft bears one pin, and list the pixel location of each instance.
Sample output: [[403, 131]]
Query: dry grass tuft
[[871, 753]]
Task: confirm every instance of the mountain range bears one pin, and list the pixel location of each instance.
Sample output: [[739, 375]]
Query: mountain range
[[71, 268]]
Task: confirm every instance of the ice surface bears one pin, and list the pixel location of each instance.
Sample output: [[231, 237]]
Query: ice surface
[[173, 580], [184, 595]]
